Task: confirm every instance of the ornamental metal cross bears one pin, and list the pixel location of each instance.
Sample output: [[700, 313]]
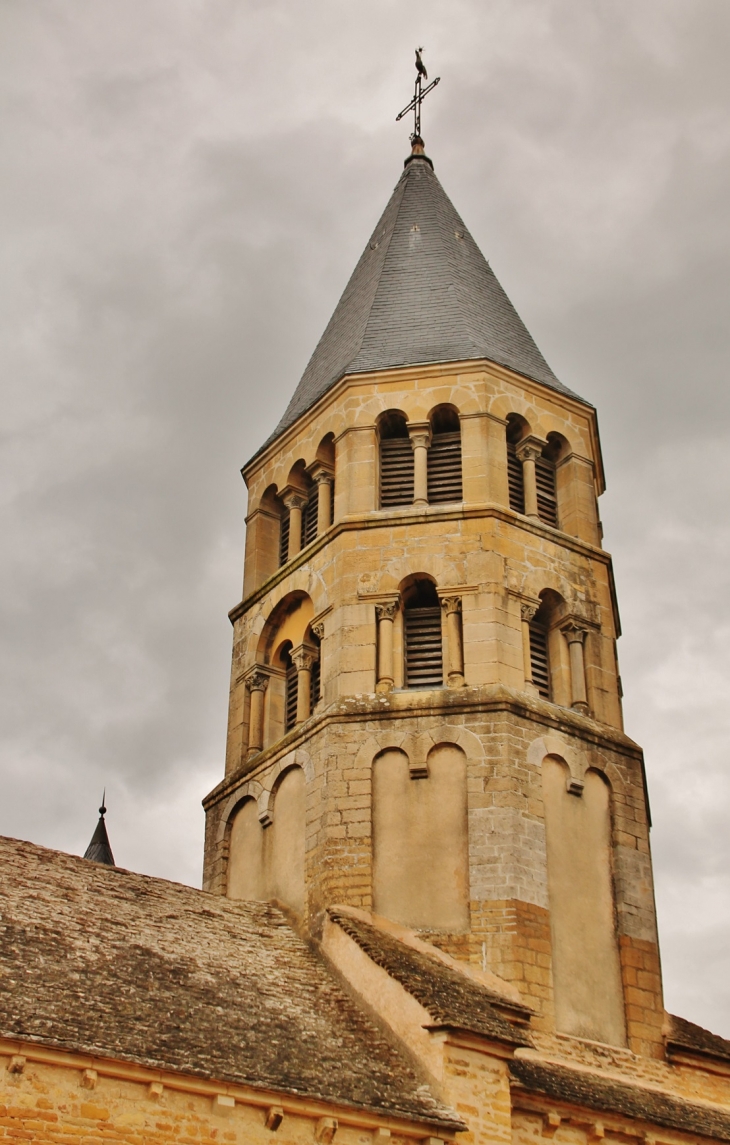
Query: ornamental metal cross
[[419, 95]]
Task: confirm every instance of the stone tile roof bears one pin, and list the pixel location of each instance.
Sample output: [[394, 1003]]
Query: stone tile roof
[[422, 292], [684, 1035], [604, 1095], [100, 960], [450, 997]]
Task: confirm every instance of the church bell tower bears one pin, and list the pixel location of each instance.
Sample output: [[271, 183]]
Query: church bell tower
[[425, 714]]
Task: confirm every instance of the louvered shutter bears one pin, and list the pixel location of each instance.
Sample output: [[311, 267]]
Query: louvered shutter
[[291, 696], [284, 537], [515, 480], [309, 517], [423, 653], [396, 472], [315, 682], [444, 468], [547, 504], [332, 502], [539, 661]]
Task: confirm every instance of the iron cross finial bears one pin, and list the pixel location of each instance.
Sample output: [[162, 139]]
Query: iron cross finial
[[419, 95]]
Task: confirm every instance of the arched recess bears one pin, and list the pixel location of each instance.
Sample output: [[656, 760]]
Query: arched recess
[[284, 841], [444, 456], [586, 968], [246, 876], [396, 460], [420, 840], [286, 629]]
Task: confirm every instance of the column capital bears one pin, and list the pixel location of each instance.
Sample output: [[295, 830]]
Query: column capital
[[294, 498], [317, 629], [528, 610], [387, 609], [420, 434], [451, 604], [574, 631], [257, 681], [321, 472], [530, 448], [304, 657]]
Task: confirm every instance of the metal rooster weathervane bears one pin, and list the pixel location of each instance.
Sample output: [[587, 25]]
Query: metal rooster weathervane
[[419, 95]]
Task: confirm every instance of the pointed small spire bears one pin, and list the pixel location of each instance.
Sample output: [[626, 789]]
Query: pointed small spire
[[99, 849]]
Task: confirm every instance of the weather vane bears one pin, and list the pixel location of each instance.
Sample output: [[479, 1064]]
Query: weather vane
[[419, 95]]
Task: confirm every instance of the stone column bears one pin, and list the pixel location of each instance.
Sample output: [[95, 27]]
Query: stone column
[[420, 435], [385, 614], [303, 658], [295, 503], [325, 481], [575, 634], [454, 643], [528, 452], [527, 612], [257, 683]]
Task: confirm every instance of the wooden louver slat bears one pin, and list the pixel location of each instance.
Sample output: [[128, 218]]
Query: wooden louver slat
[[315, 682], [396, 472], [539, 660], [284, 537], [515, 480], [423, 652], [309, 517], [444, 468], [547, 504], [291, 697]]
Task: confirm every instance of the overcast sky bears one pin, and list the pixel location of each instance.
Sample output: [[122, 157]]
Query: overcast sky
[[187, 185]]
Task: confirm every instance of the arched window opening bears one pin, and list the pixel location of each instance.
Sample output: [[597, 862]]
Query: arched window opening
[[444, 457], [396, 461], [424, 666], [547, 500], [516, 427]]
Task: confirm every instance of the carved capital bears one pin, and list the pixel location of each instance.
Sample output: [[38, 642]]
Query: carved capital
[[294, 499], [386, 610], [527, 611], [420, 434], [257, 682], [317, 629], [530, 448], [573, 631], [451, 604], [304, 657]]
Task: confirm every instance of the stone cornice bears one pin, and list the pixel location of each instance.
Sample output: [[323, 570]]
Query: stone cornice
[[386, 518], [443, 702]]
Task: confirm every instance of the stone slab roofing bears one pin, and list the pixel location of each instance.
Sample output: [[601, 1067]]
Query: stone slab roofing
[[450, 997], [684, 1035], [106, 962], [605, 1095], [422, 292]]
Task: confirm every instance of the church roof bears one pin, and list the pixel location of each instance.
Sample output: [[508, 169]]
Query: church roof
[[422, 292], [451, 998], [102, 961]]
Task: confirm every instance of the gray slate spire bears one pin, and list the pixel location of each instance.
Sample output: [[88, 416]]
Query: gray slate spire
[[421, 292], [99, 849]]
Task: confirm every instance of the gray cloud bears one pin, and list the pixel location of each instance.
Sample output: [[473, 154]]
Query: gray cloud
[[187, 188]]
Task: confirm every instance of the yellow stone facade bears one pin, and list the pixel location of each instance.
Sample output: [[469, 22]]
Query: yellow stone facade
[[489, 564]]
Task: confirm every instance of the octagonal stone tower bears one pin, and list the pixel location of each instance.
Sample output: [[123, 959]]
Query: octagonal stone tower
[[425, 716]]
